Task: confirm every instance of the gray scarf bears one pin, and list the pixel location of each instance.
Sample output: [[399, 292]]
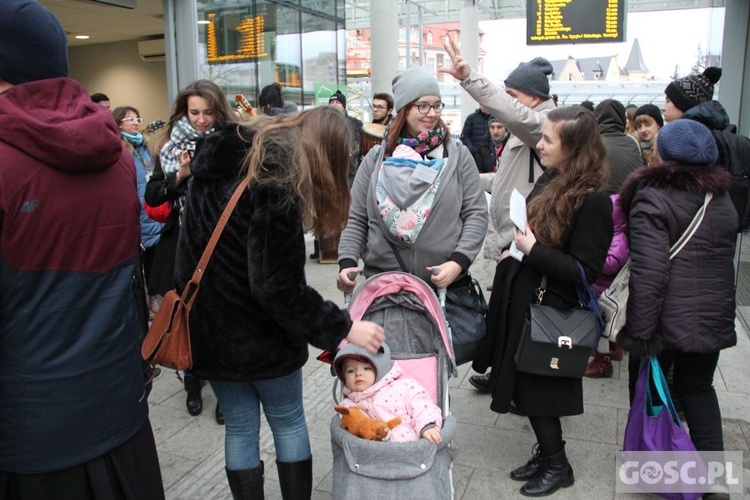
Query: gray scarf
[[182, 138]]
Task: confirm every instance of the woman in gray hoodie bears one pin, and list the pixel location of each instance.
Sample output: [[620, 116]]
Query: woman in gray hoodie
[[417, 201]]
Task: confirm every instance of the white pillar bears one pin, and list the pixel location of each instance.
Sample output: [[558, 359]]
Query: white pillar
[[469, 50], [181, 44], [384, 44]]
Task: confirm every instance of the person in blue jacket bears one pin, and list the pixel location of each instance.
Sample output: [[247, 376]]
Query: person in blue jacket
[[129, 120]]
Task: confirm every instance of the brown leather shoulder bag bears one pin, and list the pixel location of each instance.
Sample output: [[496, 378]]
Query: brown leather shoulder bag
[[167, 342]]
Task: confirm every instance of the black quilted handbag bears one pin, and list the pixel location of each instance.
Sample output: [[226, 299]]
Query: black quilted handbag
[[556, 342]]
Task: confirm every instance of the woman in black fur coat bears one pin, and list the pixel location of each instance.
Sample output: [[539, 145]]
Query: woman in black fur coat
[[255, 314], [682, 310]]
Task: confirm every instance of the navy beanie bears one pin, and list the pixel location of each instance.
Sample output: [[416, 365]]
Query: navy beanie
[[33, 45], [687, 142], [531, 78], [693, 89], [338, 96]]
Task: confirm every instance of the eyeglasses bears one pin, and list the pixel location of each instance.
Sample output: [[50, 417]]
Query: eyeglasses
[[378, 106], [131, 119], [425, 107]]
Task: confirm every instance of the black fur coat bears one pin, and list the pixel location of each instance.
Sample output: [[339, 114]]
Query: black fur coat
[[685, 304], [254, 314]]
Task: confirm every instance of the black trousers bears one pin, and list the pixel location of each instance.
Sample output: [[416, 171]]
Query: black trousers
[[128, 472], [693, 379]]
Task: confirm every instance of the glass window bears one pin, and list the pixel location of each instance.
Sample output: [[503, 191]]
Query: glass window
[[245, 47]]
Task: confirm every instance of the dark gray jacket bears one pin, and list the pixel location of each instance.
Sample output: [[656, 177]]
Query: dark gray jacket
[[623, 152], [687, 303]]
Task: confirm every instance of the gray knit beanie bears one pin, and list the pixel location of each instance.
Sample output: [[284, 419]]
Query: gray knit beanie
[[687, 142], [412, 83], [531, 78], [381, 361], [33, 45]]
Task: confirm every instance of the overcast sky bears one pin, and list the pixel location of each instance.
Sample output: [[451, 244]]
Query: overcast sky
[[666, 38]]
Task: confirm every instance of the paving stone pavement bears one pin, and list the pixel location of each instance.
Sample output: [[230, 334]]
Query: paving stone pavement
[[191, 449]]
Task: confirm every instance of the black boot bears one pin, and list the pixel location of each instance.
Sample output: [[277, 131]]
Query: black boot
[[557, 474], [194, 400], [316, 250], [515, 410], [295, 479], [219, 415], [246, 484], [481, 382], [534, 466]]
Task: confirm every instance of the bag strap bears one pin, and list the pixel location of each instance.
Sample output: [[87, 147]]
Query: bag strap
[[201, 267], [692, 227], [533, 157], [662, 389], [400, 259]]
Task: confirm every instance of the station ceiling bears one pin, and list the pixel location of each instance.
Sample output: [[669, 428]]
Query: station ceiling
[[106, 23]]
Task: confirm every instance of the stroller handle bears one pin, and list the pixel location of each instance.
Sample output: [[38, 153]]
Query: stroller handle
[[441, 291], [352, 275]]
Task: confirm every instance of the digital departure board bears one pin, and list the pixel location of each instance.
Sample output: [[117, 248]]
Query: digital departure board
[[235, 35], [574, 21]]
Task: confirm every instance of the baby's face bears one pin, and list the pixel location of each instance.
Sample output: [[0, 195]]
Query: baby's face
[[358, 376]]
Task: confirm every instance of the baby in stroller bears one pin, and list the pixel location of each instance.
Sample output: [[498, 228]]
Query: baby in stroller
[[381, 390]]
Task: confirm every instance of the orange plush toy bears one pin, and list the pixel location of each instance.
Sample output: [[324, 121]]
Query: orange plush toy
[[356, 422]]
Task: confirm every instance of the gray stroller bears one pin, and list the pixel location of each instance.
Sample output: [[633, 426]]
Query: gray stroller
[[417, 334]]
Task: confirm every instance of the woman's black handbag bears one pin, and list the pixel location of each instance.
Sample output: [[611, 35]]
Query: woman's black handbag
[[465, 309], [556, 342]]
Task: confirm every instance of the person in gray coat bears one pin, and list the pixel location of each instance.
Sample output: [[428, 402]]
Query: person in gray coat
[[418, 196], [522, 107], [682, 310]]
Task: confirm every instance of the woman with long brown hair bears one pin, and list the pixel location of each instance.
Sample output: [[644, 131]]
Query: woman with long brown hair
[[255, 315], [569, 220], [417, 201], [198, 107]]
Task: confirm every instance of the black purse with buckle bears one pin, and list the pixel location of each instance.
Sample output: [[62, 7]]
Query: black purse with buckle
[[555, 342]]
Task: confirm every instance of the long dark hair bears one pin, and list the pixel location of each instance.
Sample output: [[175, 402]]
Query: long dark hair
[[209, 91], [584, 169], [307, 155], [397, 129]]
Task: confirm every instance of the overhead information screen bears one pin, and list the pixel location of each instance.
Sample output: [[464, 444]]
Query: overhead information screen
[[574, 21]]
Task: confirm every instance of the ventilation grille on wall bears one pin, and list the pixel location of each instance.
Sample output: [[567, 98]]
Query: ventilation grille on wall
[[152, 50]]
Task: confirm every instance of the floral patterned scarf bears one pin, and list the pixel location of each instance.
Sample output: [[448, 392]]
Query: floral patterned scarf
[[425, 142], [406, 222]]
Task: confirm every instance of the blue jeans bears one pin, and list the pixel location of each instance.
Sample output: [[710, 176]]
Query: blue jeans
[[282, 404]]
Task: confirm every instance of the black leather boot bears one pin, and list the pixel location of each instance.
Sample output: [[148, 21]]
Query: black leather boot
[[194, 400], [219, 415], [316, 250], [534, 466], [556, 474], [481, 382], [295, 479], [246, 484]]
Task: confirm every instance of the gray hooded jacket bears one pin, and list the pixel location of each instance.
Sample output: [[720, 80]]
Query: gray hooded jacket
[[454, 230]]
